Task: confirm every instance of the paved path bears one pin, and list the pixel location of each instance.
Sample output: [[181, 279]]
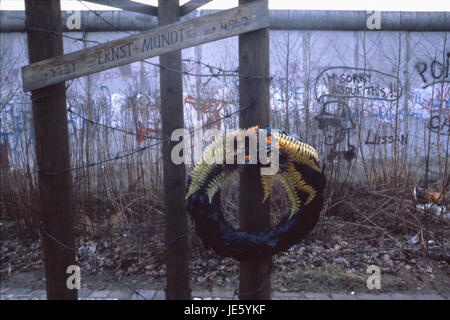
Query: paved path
[[28, 294]]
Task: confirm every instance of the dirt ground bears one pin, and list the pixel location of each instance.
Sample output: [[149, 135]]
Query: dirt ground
[[410, 248]]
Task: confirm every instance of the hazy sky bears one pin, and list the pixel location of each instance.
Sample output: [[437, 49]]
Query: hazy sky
[[381, 5]]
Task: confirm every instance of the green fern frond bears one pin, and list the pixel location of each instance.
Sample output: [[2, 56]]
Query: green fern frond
[[300, 151], [199, 175], [291, 192], [296, 179], [218, 181], [267, 183], [215, 184], [209, 153]]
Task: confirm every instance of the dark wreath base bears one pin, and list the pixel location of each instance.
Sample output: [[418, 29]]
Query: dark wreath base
[[217, 234]]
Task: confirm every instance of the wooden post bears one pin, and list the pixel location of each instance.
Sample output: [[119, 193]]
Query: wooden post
[[253, 214], [172, 117], [52, 151]]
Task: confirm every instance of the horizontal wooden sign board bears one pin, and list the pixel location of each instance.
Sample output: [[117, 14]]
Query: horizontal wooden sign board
[[145, 45]]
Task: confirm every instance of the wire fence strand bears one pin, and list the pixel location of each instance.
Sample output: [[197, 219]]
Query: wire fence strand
[[122, 155], [88, 260]]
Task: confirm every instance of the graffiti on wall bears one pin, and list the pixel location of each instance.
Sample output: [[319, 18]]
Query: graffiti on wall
[[434, 71], [16, 118], [211, 108], [16, 128], [142, 132], [434, 99], [333, 89], [335, 121], [385, 111], [440, 124], [435, 96], [350, 82], [375, 139], [294, 90]]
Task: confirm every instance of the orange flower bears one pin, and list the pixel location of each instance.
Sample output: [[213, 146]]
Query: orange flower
[[255, 128], [247, 157], [269, 140]]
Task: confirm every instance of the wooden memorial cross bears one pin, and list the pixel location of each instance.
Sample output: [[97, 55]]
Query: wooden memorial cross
[[166, 41]]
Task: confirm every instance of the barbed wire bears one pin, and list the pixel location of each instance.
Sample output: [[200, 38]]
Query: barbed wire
[[94, 265], [120, 156], [138, 227], [236, 292], [94, 164], [220, 72], [229, 214], [190, 60], [34, 97], [88, 260], [181, 236], [239, 294], [61, 35], [70, 110], [99, 16]]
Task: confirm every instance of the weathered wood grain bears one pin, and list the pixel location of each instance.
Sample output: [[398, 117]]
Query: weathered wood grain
[[172, 118], [254, 215], [52, 153], [145, 45]]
